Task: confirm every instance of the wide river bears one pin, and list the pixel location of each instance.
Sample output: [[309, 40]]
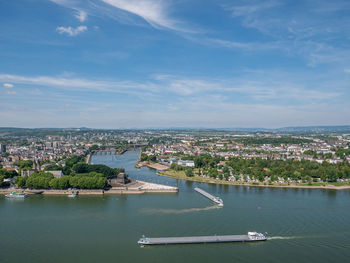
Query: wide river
[[304, 225]]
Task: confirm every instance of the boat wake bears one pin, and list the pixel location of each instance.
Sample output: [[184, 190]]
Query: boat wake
[[179, 211], [278, 237]]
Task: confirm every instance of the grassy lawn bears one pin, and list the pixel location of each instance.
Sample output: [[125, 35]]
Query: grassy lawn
[[325, 184], [175, 174], [340, 183], [182, 175]]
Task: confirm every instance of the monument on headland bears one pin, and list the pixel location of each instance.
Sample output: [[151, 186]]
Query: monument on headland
[[120, 180]]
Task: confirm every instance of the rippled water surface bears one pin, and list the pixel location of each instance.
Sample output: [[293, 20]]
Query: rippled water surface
[[305, 225]]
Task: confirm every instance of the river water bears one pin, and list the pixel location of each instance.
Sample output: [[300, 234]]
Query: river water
[[305, 225]]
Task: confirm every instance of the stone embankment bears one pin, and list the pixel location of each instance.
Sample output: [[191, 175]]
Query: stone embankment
[[136, 187], [140, 187]]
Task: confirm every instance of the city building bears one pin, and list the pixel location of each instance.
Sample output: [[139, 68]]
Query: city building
[[56, 174], [2, 148]]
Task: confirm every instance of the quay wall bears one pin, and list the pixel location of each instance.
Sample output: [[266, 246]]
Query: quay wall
[[93, 192]]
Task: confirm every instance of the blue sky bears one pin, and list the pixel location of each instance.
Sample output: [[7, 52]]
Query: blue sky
[[180, 63]]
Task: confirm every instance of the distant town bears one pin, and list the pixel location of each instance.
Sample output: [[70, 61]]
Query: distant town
[[266, 158]]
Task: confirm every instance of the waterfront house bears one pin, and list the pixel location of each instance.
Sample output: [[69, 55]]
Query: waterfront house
[[57, 174], [185, 163], [27, 173]]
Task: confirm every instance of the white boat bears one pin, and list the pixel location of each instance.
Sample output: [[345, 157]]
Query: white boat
[[73, 194], [219, 201], [17, 195], [255, 236]]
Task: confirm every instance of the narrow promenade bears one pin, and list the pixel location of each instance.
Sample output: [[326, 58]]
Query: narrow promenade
[[140, 187], [136, 187]]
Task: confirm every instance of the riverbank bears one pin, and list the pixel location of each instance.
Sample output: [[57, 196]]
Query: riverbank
[[136, 187], [181, 175], [156, 166]]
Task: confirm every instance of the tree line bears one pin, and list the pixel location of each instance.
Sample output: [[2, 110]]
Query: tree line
[[144, 157], [297, 170], [77, 174], [45, 180], [260, 168], [272, 141]]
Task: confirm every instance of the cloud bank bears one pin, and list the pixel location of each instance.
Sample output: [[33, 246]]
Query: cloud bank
[[8, 85], [70, 31]]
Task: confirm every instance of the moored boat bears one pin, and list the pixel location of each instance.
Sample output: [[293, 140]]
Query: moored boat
[[73, 194], [16, 195], [33, 192]]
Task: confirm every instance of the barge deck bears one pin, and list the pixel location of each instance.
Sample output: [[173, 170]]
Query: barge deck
[[250, 237], [209, 196]]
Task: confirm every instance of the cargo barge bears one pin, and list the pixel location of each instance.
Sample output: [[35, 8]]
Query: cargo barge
[[215, 199], [250, 237]]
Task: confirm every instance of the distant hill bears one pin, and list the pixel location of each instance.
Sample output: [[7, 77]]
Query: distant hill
[[297, 129], [316, 129], [61, 131]]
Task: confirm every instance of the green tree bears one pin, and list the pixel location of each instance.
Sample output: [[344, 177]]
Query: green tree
[[54, 167], [54, 183], [8, 174], [332, 176], [2, 177], [226, 176], [189, 172], [20, 181], [143, 157], [40, 180], [213, 173], [24, 164]]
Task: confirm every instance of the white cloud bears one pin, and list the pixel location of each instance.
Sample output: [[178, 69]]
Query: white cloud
[[81, 15], [238, 115], [245, 46], [253, 86], [244, 10], [155, 12], [311, 34], [81, 84], [70, 31], [11, 92], [252, 98], [8, 85]]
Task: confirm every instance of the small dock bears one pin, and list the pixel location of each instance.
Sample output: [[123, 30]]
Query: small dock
[[250, 237], [209, 196]]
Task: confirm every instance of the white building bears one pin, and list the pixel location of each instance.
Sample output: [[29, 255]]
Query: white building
[[185, 163]]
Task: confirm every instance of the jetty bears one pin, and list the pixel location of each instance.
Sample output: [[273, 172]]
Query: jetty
[[250, 237], [209, 196]]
